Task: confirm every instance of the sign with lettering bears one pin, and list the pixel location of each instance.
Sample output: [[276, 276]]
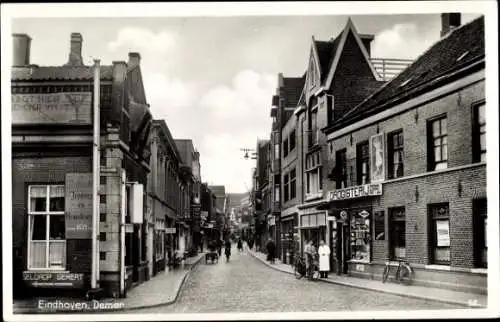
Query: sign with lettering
[[52, 108], [170, 230], [443, 233], [53, 279], [78, 205], [377, 158], [356, 192]]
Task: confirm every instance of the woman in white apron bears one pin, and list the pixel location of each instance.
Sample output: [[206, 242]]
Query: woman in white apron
[[324, 259]]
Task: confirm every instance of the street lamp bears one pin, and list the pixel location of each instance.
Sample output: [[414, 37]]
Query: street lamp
[[246, 156]]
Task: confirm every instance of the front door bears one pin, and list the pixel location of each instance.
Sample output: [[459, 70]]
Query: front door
[[342, 247]]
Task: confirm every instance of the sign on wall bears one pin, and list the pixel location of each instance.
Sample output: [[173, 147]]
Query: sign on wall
[[78, 205], [52, 108], [377, 158], [49, 279], [356, 192]]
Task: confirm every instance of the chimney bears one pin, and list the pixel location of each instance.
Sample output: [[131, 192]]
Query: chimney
[[366, 40], [134, 60], [75, 51], [21, 50], [449, 21]]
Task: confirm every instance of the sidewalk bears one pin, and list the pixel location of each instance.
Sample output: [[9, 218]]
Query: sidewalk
[[413, 291], [162, 289]]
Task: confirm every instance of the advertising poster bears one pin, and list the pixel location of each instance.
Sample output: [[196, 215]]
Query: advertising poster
[[443, 233], [377, 157]]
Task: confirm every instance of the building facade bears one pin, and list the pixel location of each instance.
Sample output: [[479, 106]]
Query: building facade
[[164, 195], [408, 178], [52, 163]]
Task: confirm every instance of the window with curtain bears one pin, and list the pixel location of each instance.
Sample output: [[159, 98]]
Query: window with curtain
[[363, 163], [341, 169], [395, 150], [440, 234], [47, 227]]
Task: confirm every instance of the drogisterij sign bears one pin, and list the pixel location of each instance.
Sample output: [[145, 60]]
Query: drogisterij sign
[[356, 192], [78, 205], [52, 108]]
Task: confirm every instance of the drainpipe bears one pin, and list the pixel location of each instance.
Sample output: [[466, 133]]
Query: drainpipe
[[122, 232], [96, 176]]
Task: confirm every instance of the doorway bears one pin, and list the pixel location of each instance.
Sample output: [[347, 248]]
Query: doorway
[[342, 247]]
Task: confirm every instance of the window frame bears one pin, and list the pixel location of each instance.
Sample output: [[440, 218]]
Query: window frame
[[480, 217], [433, 164], [392, 149], [434, 218], [360, 159], [277, 151], [341, 166], [293, 182], [313, 169], [47, 214], [285, 187], [292, 139], [477, 131], [393, 218], [285, 148]]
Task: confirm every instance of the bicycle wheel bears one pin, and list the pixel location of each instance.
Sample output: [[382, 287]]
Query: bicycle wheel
[[298, 271], [405, 275], [385, 274]]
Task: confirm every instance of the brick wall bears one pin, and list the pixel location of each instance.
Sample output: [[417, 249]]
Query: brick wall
[[38, 168], [434, 187]]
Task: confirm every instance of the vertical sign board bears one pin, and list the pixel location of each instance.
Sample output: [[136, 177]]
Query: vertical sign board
[[137, 209], [78, 205], [377, 158]]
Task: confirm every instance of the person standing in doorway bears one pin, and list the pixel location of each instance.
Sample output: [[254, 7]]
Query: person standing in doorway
[[324, 259]]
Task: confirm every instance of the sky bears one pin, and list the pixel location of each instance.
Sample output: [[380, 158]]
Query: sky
[[212, 78]]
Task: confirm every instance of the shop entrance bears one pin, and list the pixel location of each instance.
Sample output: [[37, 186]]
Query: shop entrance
[[316, 234]]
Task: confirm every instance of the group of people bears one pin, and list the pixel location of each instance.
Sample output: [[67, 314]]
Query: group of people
[[322, 255], [217, 246]]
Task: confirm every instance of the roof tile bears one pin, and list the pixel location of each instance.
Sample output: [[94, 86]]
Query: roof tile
[[71, 73]]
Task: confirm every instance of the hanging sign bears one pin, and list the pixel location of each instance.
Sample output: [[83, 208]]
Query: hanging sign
[[52, 108], [443, 233], [78, 205]]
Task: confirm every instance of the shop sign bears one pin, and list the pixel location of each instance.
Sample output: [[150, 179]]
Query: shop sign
[[377, 157], [443, 233], [170, 230], [52, 279], [356, 192], [52, 108], [78, 205]]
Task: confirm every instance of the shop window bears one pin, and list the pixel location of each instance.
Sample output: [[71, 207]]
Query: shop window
[[363, 163], [47, 232], [341, 169], [439, 234], [437, 134], [479, 135], [397, 233], [360, 241], [292, 140], [395, 150], [480, 214]]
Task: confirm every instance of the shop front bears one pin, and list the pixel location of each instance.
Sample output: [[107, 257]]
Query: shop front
[[313, 227], [350, 221], [289, 227]]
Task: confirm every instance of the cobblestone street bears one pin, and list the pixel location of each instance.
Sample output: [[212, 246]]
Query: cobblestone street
[[246, 285]]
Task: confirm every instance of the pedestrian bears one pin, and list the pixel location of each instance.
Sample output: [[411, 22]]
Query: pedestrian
[[271, 248], [240, 245], [324, 259], [307, 253], [219, 247]]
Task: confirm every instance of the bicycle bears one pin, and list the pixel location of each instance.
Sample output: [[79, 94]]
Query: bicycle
[[404, 272], [299, 267]]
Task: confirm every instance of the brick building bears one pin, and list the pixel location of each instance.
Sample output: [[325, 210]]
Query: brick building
[[286, 162], [52, 166], [407, 174], [340, 75], [164, 192], [262, 194]]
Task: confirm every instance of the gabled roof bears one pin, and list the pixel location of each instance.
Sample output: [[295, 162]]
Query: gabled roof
[[292, 87], [438, 61], [339, 43], [59, 73], [166, 131], [326, 50]]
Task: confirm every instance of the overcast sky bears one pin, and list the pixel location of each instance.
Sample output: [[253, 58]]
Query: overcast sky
[[212, 78]]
